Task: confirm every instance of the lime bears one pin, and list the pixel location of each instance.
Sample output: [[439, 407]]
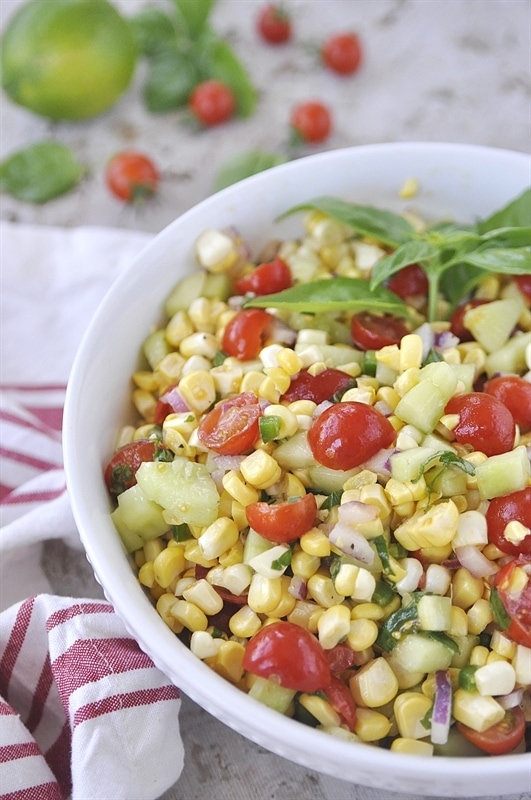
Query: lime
[[67, 59]]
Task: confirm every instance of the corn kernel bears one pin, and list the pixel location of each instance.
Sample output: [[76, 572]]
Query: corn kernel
[[306, 614], [522, 665], [375, 684], [303, 564], [264, 593], [203, 645], [410, 708], [479, 616], [198, 390], [466, 589], [495, 678], [320, 708], [245, 623], [228, 661], [232, 556], [288, 421], [260, 470], [145, 403], [371, 725], [321, 589], [362, 634], [168, 565], [145, 379], [204, 596], [219, 537], [315, 543], [289, 360], [412, 747], [333, 626], [459, 622], [302, 407], [227, 378], [165, 605], [476, 711], [501, 644], [193, 553], [368, 611], [479, 655], [216, 250], [236, 578], [286, 603], [189, 615], [152, 548], [234, 484]]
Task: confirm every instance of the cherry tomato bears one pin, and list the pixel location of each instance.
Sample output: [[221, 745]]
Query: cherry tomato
[[269, 278], [231, 428], [290, 655], [410, 281], [274, 24], [457, 325], [516, 603], [347, 434], [120, 471], [484, 422], [372, 331], [340, 657], [524, 284], [342, 53], [212, 102], [515, 393], [282, 522], [341, 700], [501, 738], [247, 333], [132, 176], [501, 511], [318, 387], [311, 121]]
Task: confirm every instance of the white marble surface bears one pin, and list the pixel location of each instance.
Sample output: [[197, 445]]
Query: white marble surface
[[435, 70]]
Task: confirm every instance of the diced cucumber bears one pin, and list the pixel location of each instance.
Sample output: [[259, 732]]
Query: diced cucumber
[[423, 405], [418, 653], [141, 514], [183, 488], [131, 540], [466, 374], [155, 347], [435, 612], [254, 546], [457, 746], [295, 453], [217, 285], [491, 324], [503, 474], [447, 482], [272, 694], [335, 355], [510, 357], [407, 464], [437, 442], [327, 480], [187, 290]]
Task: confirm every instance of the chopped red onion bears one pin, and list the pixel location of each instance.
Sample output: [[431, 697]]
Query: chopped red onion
[[380, 462], [321, 407], [282, 333], [512, 699], [474, 561], [442, 708], [446, 339], [426, 333], [297, 588], [352, 543], [175, 400]]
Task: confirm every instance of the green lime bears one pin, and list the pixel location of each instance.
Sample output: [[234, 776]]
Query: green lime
[[67, 59]]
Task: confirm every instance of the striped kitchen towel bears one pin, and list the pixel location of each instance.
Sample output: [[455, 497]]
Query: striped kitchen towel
[[84, 712]]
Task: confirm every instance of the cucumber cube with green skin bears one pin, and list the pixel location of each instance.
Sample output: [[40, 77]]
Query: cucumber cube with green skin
[[435, 612], [272, 694], [424, 404], [183, 488], [407, 465], [137, 518], [418, 653], [503, 474], [491, 324], [510, 358]]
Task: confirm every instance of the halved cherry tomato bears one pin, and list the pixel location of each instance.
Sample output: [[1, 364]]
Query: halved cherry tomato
[[274, 24], [348, 433], [341, 700], [231, 428], [318, 387], [342, 53], [282, 522], [372, 331], [501, 511], [457, 325], [516, 603], [410, 281], [501, 738], [484, 422], [274, 276], [524, 284], [247, 333], [120, 471], [291, 655], [515, 393], [341, 657], [212, 102], [311, 121]]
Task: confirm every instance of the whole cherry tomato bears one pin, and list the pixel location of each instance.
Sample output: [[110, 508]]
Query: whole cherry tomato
[[231, 428], [340, 698], [311, 121], [291, 655], [372, 331], [346, 434], [247, 333], [120, 471], [410, 281], [524, 284], [515, 393], [500, 738], [342, 53], [516, 603], [457, 325], [318, 387], [274, 24], [212, 102], [484, 422], [501, 511], [132, 176], [269, 278], [282, 522]]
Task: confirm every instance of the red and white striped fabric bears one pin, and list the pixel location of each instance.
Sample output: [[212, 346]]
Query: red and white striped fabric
[[85, 713]]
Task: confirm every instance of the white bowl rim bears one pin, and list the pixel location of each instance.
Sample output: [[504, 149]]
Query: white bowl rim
[[221, 698]]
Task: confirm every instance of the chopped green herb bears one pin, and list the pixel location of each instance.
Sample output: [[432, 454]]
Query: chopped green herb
[[181, 533], [269, 427], [333, 499], [466, 678], [218, 359], [499, 612], [282, 562]]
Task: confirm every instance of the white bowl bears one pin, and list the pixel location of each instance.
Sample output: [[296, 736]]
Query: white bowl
[[458, 181]]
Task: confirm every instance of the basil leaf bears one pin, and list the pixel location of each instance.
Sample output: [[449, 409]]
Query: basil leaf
[[223, 64], [153, 30], [244, 165], [195, 14], [501, 616], [40, 172], [458, 281], [514, 261], [170, 80], [410, 253], [442, 638], [379, 224], [515, 214], [339, 294], [508, 237]]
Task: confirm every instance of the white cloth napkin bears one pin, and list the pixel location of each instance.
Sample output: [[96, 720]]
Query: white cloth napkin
[[84, 712]]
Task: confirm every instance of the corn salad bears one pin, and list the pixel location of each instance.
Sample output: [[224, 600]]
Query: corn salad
[[238, 519]]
